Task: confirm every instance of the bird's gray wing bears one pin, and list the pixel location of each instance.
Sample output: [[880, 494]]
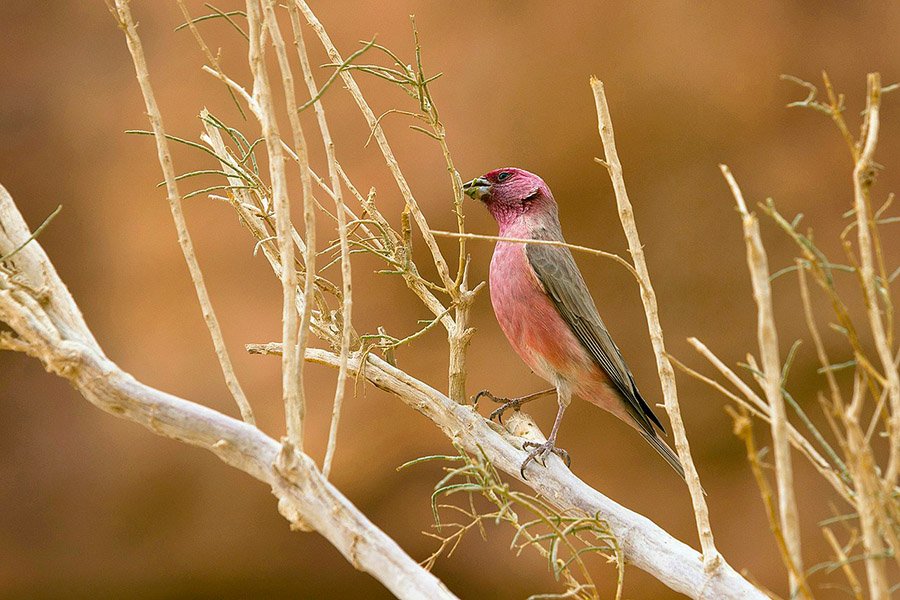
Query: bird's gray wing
[[557, 271]]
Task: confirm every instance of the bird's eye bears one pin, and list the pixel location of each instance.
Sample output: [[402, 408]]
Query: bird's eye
[[503, 176]]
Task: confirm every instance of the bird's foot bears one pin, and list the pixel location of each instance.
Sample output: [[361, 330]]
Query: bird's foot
[[487, 394], [540, 452], [507, 403], [515, 403]]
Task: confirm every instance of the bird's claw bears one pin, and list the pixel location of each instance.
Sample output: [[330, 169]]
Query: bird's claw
[[486, 394], [506, 403], [515, 403], [540, 452]]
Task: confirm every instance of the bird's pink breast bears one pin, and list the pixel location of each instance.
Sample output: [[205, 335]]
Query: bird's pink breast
[[539, 334], [529, 319]]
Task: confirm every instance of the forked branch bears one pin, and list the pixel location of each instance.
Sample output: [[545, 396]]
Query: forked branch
[[47, 324]]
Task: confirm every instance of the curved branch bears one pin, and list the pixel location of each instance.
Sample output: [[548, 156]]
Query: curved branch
[[644, 544], [48, 326]]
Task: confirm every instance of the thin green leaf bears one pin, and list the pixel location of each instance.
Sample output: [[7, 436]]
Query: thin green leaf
[[341, 67], [422, 459], [33, 236]]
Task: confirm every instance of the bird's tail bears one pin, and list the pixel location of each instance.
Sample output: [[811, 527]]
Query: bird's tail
[[665, 452]]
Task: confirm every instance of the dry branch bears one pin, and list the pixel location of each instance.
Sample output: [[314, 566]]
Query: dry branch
[[862, 179], [743, 428], [648, 298], [123, 16], [758, 264], [643, 543], [341, 214], [868, 489], [48, 325], [263, 107]]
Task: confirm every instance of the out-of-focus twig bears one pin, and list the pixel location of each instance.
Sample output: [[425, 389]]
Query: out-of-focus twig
[[768, 348], [844, 562], [755, 406], [868, 493], [743, 428], [863, 173]]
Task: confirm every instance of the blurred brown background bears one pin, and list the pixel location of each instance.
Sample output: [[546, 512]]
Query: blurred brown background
[[91, 506]]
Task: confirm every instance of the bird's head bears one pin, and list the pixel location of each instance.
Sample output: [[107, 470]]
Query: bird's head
[[510, 193]]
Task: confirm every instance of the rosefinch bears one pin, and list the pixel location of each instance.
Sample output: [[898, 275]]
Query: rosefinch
[[548, 315]]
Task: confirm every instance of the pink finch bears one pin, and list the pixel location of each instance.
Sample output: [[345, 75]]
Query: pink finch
[[548, 315]]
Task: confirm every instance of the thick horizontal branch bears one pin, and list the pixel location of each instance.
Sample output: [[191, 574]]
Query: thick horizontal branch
[[644, 544], [305, 497]]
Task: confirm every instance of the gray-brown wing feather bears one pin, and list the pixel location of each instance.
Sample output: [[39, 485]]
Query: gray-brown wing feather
[[557, 271]]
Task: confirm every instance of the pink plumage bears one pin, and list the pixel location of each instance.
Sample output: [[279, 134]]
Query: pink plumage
[[545, 309]]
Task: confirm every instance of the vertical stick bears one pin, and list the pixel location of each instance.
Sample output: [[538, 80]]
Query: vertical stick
[[294, 406], [126, 22], [309, 209], [861, 182], [341, 213], [711, 558], [757, 262], [867, 485]]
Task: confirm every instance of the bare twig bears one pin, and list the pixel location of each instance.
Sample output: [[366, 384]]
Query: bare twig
[[711, 556], [585, 249], [868, 489], [842, 560], [309, 213], [769, 354], [40, 228], [862, 180], [122, 13], [341, 214], [263, 108]]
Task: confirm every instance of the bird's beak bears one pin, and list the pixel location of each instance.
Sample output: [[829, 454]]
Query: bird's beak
[[478, 188]]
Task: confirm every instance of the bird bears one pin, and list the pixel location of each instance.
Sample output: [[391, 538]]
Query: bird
[[544, 307]]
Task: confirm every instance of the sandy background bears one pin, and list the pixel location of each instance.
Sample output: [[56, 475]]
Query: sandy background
[[91, 506]]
